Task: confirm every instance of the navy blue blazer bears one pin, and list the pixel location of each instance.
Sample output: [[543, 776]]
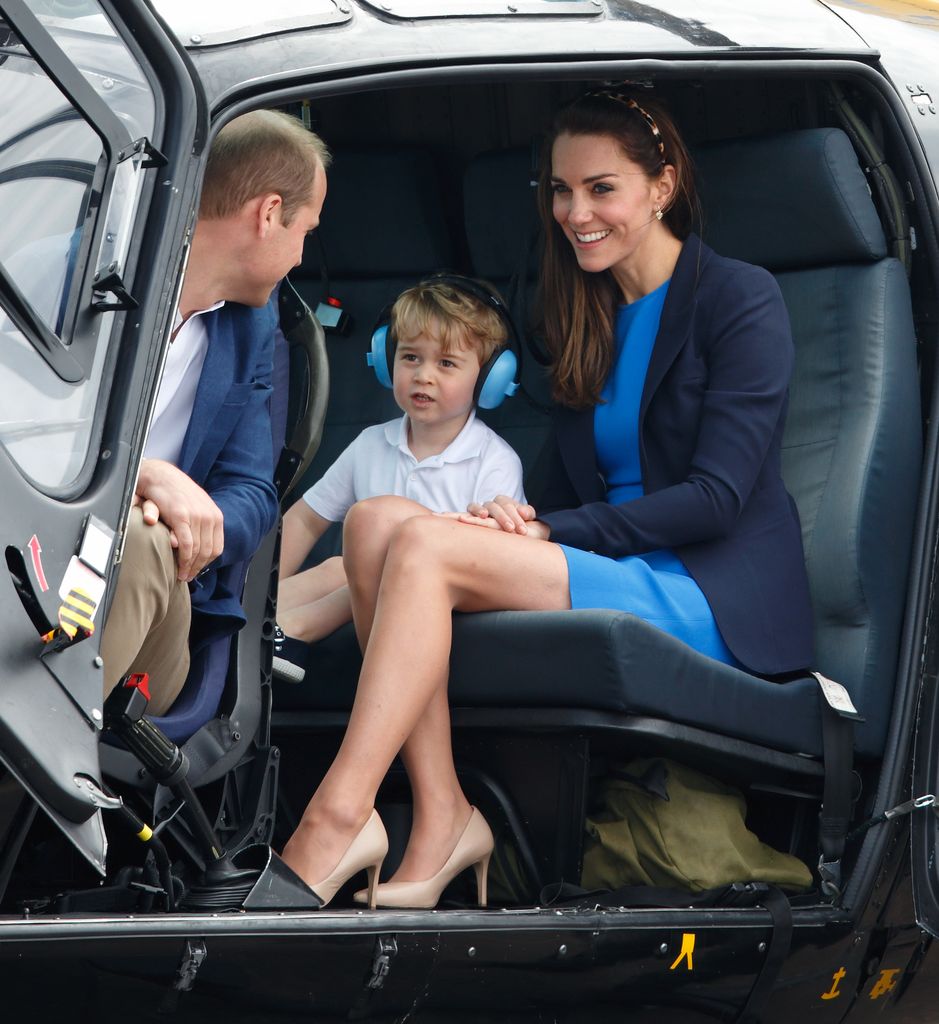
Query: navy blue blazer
[[710, 428], [228, 451]]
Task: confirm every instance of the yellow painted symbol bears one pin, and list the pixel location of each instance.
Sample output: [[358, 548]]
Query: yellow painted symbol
[[77, 612], [885, 983], [836, 978], [687, 951]]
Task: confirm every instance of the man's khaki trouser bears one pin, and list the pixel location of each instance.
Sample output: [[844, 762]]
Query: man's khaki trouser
[[148, 625]]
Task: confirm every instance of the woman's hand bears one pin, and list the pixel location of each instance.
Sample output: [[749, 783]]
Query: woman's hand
[[504, 513]]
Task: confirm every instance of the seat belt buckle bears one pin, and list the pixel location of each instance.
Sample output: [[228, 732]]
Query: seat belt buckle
[[829, 871]]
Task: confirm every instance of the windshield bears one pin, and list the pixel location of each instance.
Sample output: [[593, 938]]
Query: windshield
[[53, 170]]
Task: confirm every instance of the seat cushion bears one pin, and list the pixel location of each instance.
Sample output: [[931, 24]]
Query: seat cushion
[[590, 659]]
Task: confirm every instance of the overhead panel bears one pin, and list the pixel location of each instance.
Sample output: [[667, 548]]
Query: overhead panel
[[203, 25]]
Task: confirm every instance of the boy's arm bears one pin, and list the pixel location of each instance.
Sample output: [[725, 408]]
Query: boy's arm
[[302, 529], [334, 493]]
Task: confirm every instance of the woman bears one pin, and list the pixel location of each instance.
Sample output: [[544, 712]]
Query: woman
[[671, 367]]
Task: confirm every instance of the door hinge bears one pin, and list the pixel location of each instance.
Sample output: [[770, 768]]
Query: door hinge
[[386, 949], [194, 954], [148, 154]]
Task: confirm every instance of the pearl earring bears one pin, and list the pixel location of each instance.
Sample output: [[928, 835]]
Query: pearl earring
[[658, 213]]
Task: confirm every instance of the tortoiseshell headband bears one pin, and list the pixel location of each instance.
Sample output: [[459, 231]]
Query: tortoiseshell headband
[[628, 101]]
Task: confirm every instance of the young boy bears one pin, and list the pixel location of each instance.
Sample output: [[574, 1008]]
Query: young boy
[[438, 454]]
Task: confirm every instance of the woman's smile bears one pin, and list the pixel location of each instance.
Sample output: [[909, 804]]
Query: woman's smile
[[593, 236]]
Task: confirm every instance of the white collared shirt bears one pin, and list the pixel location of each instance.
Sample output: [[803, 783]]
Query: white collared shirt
[[178, 386], [476, 466]]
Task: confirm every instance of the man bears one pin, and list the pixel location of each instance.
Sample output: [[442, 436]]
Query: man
[[205, 496]]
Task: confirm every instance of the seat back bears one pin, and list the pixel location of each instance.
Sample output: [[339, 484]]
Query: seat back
[[502, 230], [383, 229], [211, 741], [798, 204]]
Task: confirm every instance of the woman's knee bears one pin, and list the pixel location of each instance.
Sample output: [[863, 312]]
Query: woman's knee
[[426, 543], [370, 527], [373, 517]]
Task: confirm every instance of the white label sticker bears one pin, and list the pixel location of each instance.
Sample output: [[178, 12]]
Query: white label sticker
[[837, 696], [96, 548], [79, 577]]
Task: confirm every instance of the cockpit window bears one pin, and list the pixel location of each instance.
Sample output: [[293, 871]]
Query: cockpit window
[[68, 194]]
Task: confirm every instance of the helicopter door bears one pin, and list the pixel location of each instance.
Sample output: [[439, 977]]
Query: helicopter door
[[91, 136], [924, 828]]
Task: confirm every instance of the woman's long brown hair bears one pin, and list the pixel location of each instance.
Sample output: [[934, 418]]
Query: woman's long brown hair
[[579, 307]]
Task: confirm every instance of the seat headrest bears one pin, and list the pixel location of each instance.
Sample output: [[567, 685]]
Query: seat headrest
[[501, 212], [383, 216], [788, 201]]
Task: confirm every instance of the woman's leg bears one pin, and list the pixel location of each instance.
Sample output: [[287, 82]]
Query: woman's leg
[[427, 754], [366, 534], [433, 565], [313, 604]]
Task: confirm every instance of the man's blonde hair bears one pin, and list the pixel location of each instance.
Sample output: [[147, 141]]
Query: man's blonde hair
[[258, 153], [454, 317]]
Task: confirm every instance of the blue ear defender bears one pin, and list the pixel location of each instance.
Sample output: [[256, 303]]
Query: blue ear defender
[[496, 379], [497, 376], [380, 357]]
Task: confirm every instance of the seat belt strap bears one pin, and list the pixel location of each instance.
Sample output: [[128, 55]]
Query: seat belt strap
[[780, 911], [838, 717]]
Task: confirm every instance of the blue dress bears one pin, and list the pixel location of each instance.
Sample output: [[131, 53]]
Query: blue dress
[[655, 585]]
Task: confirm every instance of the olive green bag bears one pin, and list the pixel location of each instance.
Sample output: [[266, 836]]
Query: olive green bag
[[660, 823]]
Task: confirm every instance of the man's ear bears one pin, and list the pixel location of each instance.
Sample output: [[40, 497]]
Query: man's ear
[[266, 212]]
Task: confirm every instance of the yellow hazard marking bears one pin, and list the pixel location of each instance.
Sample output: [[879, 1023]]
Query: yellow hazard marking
[[145, 834], [885, 983], [836, 980], [76, 612], [687, 951]]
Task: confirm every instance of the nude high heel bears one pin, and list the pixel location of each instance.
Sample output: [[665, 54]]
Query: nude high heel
[[473, 849], [366, 851]]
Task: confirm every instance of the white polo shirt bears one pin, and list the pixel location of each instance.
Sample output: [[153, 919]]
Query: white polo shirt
[[476, 466], [177, 393]]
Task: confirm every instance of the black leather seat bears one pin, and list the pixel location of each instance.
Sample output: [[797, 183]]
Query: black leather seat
[[798, 204], [383, 230], [502, 229], [222, 713], [538, 694]]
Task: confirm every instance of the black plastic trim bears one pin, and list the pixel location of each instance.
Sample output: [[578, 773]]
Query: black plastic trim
[[38, 333]]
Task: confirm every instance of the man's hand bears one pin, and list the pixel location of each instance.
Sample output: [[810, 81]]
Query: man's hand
[[194, 520]]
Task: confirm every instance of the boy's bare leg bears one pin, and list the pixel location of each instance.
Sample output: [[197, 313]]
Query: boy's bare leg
[[317, 619], [306, 587]]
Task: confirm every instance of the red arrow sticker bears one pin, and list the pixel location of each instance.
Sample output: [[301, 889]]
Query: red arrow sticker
[[35, 549]]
